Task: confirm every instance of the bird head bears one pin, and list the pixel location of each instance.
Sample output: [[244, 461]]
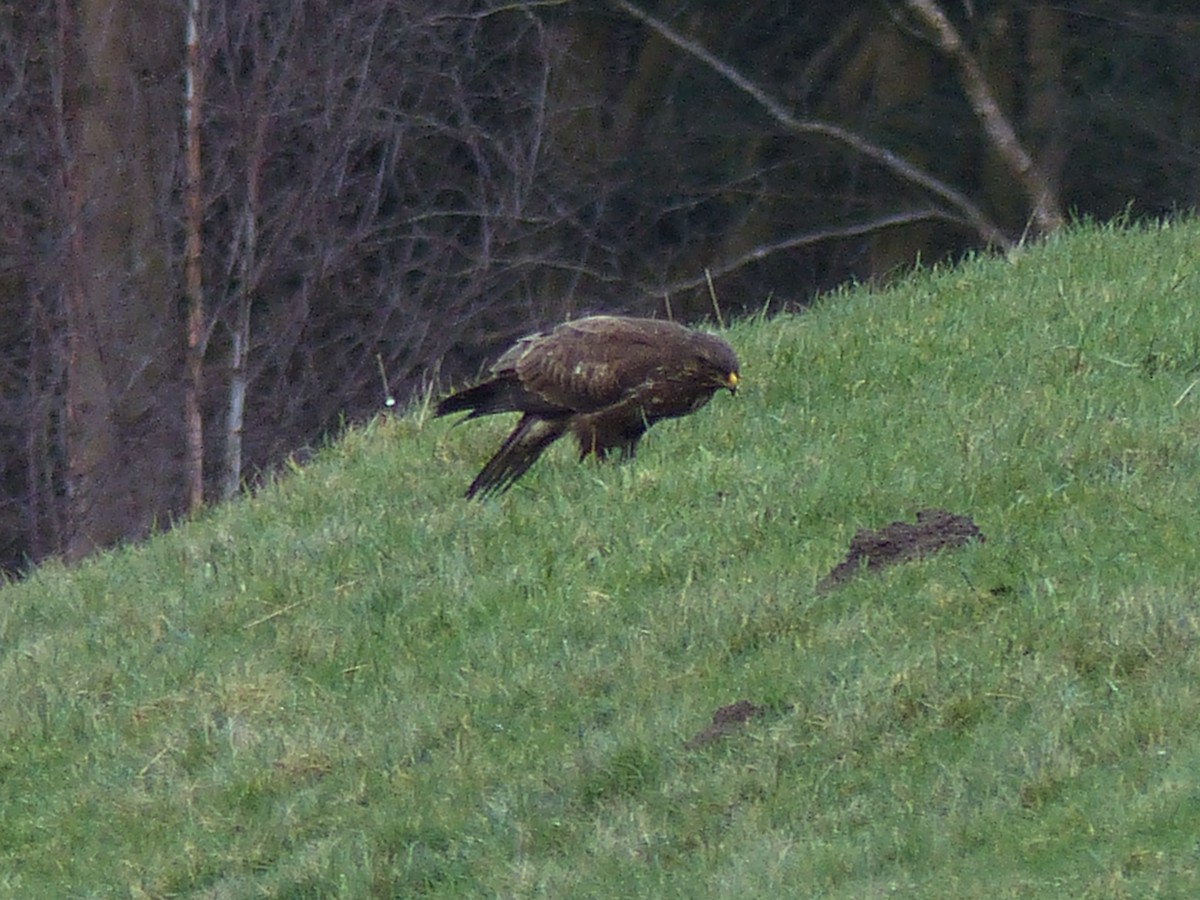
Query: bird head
[[718, 362]]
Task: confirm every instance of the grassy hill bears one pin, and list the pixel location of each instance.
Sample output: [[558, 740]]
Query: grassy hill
[[358, 684]]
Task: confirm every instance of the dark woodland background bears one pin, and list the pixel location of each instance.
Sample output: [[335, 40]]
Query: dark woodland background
[[221, 221]]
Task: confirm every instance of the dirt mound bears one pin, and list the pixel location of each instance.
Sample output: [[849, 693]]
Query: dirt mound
[[899, 542], [726, 720]]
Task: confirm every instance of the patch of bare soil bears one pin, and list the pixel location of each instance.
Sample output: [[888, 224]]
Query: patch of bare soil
[[726, 720], [899, 542]]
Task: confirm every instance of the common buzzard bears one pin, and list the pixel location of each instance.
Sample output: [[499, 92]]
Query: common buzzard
[[605, 379]]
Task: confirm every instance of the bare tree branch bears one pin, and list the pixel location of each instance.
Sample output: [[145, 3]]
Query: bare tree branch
[[801, 240], [889, 160], [1045, 210]]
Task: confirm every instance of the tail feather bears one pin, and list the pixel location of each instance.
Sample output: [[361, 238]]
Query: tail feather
[[519, 451], [495, 396]]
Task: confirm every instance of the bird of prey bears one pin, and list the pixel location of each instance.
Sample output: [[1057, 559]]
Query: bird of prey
[[604, 379]]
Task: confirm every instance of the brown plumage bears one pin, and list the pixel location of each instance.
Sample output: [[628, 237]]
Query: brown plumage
[[605, 379]]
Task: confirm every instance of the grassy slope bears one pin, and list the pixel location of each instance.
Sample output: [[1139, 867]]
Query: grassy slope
[[359, 684]]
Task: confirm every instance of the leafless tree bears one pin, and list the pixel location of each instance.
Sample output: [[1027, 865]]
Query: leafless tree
[[375, 168], [957, 204], [1044, 205]]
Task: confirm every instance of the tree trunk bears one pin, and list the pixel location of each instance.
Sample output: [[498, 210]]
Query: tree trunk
[[193, 247], [239, 348], [121, 114]]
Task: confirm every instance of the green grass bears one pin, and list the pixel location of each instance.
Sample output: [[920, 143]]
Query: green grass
[[358, 684]]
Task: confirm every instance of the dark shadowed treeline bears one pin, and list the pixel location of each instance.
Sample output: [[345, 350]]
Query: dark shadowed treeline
[[211, 258]]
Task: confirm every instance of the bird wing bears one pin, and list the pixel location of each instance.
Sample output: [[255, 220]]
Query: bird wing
[[592, 363]]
